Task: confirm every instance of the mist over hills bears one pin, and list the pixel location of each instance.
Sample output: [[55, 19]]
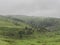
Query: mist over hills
[[29, 22]]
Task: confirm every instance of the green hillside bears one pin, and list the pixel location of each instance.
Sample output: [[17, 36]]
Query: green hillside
[[37, 22], [5, 21], [29, 30]]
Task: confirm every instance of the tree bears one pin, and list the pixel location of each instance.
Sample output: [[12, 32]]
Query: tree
[[21, 33]]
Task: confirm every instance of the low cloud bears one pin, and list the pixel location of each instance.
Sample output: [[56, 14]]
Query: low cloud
[[30, 7]]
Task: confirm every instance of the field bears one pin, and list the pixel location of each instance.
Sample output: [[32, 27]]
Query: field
[[41, 40], [29, 31]]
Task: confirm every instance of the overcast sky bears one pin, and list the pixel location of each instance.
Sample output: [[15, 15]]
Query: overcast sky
[[30, 7]]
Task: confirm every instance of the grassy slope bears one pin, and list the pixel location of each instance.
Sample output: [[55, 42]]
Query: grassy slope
[[51, 23], [7, 24], [52, 38], [43, 40]]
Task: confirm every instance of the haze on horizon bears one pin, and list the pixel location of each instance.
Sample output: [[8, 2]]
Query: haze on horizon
[[48, 8]]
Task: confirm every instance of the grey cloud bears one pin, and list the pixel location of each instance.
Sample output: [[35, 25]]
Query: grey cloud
[[30, 7]]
